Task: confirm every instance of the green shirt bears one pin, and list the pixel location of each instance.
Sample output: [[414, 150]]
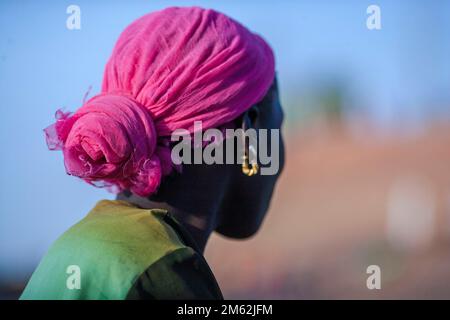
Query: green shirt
[[120, 251]]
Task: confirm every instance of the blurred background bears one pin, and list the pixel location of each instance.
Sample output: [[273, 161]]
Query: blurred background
[[367, 178]]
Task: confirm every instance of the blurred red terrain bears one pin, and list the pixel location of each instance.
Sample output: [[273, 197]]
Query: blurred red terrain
[[330, 219]]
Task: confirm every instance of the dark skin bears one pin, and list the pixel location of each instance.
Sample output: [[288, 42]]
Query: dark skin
[[219, 197]]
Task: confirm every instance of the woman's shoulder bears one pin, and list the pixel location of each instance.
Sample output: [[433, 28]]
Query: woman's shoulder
[[115, 224], [110, 248]]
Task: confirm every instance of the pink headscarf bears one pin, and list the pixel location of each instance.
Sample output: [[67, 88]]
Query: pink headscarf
[[168, 69]]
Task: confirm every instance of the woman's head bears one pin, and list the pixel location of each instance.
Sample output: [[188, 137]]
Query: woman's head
[[168, 70]]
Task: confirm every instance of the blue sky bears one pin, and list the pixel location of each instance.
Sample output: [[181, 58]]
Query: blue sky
[[399, 72]]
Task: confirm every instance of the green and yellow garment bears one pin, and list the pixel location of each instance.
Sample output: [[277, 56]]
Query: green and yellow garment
[[124, 252]]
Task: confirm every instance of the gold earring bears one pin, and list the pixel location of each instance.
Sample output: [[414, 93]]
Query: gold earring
[[249, 169]]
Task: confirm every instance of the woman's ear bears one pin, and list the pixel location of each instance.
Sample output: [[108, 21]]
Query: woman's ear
[[253, 114]]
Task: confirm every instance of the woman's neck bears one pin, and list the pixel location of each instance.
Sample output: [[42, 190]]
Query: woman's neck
[[199, 226]]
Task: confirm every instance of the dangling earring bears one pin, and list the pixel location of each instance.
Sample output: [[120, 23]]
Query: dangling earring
[[246, 168], [249, 169]]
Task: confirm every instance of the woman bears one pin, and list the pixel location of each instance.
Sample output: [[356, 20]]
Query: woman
[[168, 70]]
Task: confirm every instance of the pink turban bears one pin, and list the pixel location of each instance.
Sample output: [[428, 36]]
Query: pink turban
[[167, 70]]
